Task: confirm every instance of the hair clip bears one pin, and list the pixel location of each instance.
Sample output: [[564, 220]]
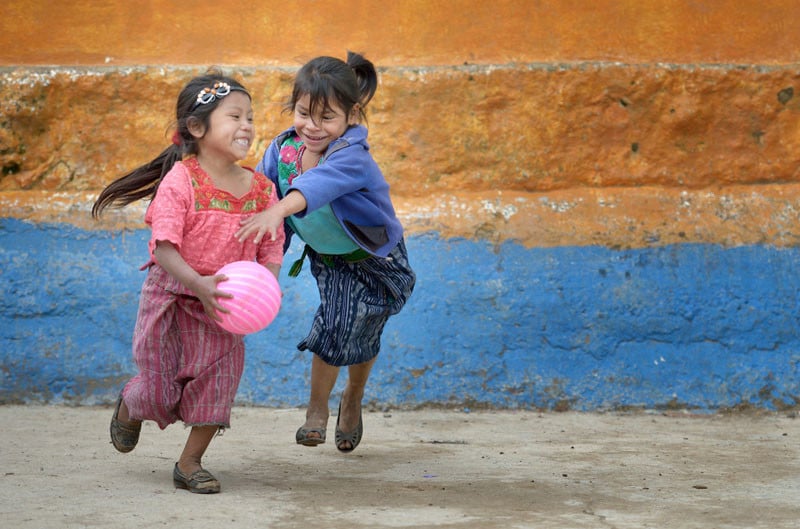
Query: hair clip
[[208, 95]]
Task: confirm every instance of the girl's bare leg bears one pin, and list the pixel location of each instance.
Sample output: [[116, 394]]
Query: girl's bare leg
[[196, 445], [353, 393], [323, 378], [123, 416]]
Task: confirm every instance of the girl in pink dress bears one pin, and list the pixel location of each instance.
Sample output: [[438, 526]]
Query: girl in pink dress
[[189, 366]]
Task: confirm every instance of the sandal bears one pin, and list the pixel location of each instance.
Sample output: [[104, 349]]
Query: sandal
[[303, 438], [124, 435], [200, 482], [353, 437]]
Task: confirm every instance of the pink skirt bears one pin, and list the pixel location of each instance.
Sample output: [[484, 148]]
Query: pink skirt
[[189, 367]]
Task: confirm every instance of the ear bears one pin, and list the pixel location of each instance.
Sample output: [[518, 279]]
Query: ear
[[355, 115], [196, 127]]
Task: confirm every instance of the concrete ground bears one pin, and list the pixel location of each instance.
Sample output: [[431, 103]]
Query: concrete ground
[[430, 468]]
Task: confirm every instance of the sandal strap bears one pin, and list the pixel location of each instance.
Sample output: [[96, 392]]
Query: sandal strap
[[125, 429], [201, 481], [201, 476]]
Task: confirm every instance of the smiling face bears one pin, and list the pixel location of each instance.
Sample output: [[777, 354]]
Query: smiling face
[[318, 131], [230, 129]]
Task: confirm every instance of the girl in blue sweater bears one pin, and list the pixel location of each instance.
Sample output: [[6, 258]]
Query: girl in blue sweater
[[335, 198]]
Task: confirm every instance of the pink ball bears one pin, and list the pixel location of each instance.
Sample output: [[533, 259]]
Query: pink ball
[[256, 297]]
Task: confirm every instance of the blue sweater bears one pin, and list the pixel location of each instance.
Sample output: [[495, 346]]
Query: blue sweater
[[350, 181]]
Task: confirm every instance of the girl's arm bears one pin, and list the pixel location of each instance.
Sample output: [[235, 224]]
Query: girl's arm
[[270, 220], [349, 170], [204, 287]]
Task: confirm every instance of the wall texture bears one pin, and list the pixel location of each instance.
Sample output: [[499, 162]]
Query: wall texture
[[601, 201]]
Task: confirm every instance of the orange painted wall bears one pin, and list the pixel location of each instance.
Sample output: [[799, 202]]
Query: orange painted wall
[[399, 33], [620, 123]]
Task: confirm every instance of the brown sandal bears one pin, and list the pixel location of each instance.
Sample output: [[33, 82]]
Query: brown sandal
[[200, 482], [124, 436], [354, 437], [304, 439]]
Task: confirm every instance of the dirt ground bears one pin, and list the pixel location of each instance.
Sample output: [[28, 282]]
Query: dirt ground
[[430, 469]]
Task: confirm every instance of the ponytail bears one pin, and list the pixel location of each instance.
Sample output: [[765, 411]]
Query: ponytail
[[141, 183], [366, 75]]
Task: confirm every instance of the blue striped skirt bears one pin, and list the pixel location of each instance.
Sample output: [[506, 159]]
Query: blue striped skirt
[[356, 300]]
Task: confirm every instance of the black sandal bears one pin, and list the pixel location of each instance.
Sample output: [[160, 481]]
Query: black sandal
[[353, 437], [124, 436]]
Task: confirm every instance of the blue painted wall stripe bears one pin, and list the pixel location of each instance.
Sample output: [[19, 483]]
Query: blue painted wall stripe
[[583, 328]]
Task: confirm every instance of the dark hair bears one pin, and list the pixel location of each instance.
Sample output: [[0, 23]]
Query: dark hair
[[142, 182], [330, 80]]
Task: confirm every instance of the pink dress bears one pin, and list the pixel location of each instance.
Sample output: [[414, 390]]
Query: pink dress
[[189, 367]]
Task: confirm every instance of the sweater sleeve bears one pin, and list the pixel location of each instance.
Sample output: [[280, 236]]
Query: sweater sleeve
[[344, 172]]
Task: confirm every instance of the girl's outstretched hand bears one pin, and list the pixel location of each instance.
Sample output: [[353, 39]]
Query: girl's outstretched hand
[[270, 220], [267, 222]]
